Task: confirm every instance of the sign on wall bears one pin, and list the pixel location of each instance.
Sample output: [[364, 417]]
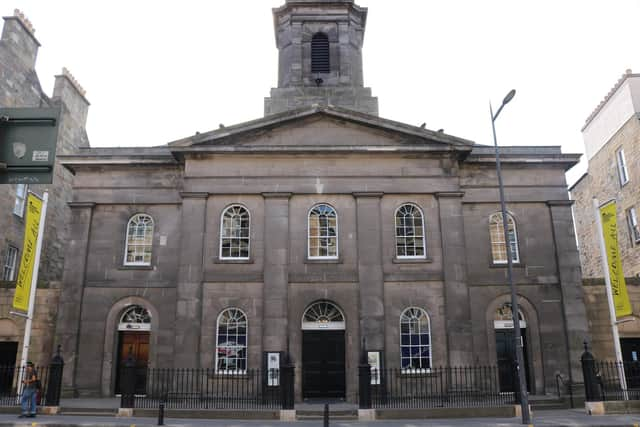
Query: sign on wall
[[27, 261]]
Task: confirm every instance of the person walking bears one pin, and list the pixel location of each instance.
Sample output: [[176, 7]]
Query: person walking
[[29, 392]]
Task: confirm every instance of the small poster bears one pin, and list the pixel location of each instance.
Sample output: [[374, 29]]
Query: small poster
[[273, 369], [373, 358]]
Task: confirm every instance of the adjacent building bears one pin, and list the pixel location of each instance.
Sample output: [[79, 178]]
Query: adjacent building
[[318, 230], [612, 145], [20, 87]]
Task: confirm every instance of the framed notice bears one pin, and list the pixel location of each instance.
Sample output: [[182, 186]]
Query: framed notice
[[273, 368], [375, 361]]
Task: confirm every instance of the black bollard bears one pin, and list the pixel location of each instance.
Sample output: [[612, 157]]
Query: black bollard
[[161, 414], [326, 415]]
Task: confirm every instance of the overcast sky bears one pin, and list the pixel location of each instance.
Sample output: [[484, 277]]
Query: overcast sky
[[156, 71]]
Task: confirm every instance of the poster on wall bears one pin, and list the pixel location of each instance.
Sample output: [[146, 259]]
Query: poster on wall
[[273, 369], [373, 358]]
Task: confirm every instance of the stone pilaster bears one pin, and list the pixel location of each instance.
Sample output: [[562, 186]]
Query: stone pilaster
[[72, 292], [276, 271], [370, 274], [189, 287], [456, 289], [568, 260]]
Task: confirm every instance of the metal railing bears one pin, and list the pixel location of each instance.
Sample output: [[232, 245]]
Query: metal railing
[[50, 382], [443, 387], [609, 374], [206, 389]]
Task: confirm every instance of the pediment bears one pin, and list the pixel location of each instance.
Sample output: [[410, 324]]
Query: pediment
[[319, 129]]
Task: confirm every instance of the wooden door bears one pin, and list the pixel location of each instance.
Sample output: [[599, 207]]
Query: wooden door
[[8, 352], [506, 355], [135, 344], [323, 364]]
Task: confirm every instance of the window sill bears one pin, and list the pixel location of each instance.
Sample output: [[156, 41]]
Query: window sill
[[232, 261], [426, 260], [505, 265], [136, 267], [323, 260]]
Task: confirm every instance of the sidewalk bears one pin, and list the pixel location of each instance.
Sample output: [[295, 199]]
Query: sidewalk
[[542, 418]]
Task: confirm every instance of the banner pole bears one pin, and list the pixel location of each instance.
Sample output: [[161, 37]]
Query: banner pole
[[612, 308], [34, 282]]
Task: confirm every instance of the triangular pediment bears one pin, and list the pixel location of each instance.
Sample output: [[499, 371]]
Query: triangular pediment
[[318, 129]]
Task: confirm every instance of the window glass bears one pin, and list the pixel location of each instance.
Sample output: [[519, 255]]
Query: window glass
[[21, 197], [634, 227], [234, 233], [323, 232], [415, 340], [10, 263], [622, 167], [139, 240], [410, 242], [231, 345], [496, 234]]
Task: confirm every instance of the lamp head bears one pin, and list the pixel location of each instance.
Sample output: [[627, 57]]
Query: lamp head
[[509, 97]]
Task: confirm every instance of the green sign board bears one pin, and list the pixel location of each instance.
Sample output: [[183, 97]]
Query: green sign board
[[28, 138]]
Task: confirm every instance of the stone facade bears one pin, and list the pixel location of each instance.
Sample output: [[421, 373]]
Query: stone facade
[[20, 87], [278, 168]]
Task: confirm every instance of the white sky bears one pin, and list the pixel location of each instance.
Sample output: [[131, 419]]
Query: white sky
[[156, 71]]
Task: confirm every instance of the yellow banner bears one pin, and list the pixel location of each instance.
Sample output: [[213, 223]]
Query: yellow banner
[[616, 275], [23, 282]]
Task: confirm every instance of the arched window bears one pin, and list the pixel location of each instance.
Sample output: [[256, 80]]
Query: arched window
[[320, 53], [498, 247], [135, 318], [231, 342], [323, 315], [415, 340], [323, 232], [234, 233], [139, 240], [410, 241]]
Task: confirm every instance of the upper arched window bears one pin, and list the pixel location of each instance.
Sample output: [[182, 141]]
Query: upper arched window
[[323, 232], [415, 340], [410, 241], [139, 240], [234, 233], [498, 247], [231, 343], [320, 53]]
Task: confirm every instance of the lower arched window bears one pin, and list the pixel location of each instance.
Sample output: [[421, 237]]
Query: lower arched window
[[231, 342], [415, 340]]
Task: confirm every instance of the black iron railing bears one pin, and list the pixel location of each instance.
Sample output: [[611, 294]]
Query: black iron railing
[[609, 375], [458, 387], [50, 381], [207, 389]]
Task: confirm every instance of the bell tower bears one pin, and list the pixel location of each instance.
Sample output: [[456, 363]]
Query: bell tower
[[320, 56]]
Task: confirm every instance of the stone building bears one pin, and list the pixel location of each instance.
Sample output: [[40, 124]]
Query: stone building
[[315, 230], [612, 144], [20, 87]]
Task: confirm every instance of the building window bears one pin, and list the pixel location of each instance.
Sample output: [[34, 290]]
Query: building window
[[231, 349], [320, 53], [139, 240], [634, 227], [498, 247], [623, 173], [21, 197], [135, 318], [323, 232], [415, 340], [409, 232], [10, 261], [234, 233]]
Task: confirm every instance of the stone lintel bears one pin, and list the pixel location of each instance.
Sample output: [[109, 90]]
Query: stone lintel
[[560, 202], [78, 205], [276, 195], [450, 194], [194, 195], [368, 194]]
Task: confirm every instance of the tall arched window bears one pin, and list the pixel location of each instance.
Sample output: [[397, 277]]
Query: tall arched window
[[415, 340], [231, 342], [139, 240], [320, 53], [234, 233], [410, 241], [498, 247], [323, 232]]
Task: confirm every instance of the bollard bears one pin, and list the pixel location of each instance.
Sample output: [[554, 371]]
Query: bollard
[[161, 414], [326, 415]]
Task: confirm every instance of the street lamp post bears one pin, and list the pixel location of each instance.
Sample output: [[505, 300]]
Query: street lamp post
[[522, 380]]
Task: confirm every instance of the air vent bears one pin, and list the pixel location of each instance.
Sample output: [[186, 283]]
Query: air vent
[[320, 53]]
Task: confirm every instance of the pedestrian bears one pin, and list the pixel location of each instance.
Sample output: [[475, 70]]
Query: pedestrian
[[29, 392]]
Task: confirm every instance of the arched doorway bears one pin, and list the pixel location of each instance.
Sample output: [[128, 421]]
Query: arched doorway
[[505, 347], [133, 342], [323, 352]]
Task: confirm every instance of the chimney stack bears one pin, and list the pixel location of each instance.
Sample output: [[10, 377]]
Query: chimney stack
[[68, 91], [19, 36]]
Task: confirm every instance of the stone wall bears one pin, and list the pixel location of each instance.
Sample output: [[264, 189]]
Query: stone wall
[[20, 87], [603, 183]]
